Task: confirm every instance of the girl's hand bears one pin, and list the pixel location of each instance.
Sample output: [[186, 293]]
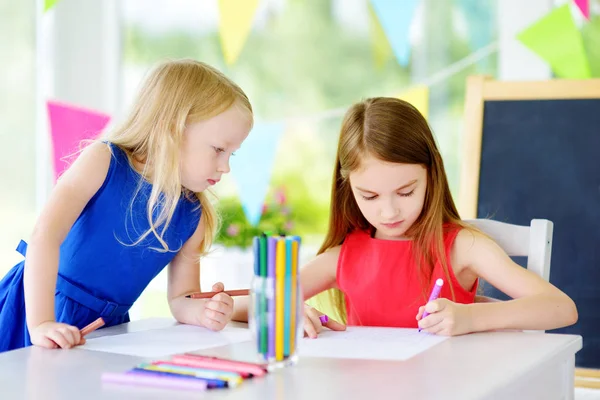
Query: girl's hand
[[445, 318], [217, 311], [55, 334], [313, 324]]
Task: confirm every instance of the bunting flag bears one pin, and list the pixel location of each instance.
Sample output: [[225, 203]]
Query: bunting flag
[[396, 17], [556, 39], [418, 96], [382, 51], [584, 6], [48, 4], [235, 23], [252, 165], [69, 126]]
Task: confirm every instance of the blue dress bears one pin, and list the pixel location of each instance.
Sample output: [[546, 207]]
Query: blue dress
[[101, 272]]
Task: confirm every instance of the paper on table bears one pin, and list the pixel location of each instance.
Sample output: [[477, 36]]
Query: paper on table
[[372, 343], [167, 341]]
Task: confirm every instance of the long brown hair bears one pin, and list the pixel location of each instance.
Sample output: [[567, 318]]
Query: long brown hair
[[391, 130]]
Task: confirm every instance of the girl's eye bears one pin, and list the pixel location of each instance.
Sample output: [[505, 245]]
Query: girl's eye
[[219, 150], [407, 194], [369, 197]]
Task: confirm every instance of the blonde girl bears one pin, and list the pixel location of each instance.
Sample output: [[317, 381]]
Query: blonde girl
[[129, 205]]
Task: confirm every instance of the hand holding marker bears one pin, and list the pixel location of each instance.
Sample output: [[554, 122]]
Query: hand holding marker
[[435, 293]]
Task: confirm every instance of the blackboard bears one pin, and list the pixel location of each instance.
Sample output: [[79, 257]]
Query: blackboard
[[539, 157]]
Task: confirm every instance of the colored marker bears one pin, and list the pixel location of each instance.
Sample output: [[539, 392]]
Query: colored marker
[[279, 298], [287, 309], [133, 378], [270, 291], [210, 383], [230, 378], [294, 299], [324, 319], [195, 360], [435, 293], [263, 310]]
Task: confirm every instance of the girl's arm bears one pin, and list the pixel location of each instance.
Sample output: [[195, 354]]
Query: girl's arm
[[537, 304], [319, 274], [316, 277], [184, 279], [68, 198]]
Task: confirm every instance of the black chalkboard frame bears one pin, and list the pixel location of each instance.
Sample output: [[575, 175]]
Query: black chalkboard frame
[[482, 88]]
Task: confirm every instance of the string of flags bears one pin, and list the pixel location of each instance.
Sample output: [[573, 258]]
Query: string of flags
[[555, 38]]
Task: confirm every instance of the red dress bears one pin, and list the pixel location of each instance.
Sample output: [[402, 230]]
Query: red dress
[[381, 283]]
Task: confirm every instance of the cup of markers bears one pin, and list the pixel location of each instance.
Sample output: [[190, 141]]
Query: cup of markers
[[275, 314]]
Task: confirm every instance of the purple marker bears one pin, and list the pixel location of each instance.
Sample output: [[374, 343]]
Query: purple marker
[[324, 319], [132, 378], [435, 293]]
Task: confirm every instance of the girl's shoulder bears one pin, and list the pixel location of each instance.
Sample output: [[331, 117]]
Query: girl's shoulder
[[469, 245]]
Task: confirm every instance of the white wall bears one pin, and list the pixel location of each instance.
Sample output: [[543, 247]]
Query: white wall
[[515, 61]]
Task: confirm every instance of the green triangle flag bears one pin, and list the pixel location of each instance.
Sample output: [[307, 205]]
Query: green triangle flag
[[48, 4], [556, 39]]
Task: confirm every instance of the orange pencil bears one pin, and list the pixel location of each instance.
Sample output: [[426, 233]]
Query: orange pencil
[[208, 295], [92, 327]]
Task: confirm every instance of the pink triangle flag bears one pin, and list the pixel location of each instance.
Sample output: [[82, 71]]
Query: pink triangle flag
[[70, 125], [584, 6]]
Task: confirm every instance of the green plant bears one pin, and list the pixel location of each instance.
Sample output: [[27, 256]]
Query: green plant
[[236, 231]]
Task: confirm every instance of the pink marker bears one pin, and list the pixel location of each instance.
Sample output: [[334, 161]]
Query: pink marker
[[435, 293], [241, 367], [324, 319]]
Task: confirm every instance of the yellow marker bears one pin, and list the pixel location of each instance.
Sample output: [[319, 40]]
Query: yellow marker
[[279, 297], [232, 379]]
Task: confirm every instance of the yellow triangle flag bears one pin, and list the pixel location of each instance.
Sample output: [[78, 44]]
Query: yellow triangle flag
[[235, 22], [418, 96], [382, 51]]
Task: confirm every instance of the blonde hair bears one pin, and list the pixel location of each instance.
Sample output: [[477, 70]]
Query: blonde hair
[[175, 93], [391, 130]]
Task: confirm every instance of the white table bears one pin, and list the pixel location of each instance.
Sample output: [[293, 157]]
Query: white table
[[499, 365]]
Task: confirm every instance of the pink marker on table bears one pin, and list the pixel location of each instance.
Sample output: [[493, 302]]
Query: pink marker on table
[[435, 293]]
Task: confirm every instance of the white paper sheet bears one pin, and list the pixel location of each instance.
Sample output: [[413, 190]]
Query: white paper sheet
[[167, 341], [372, 343]]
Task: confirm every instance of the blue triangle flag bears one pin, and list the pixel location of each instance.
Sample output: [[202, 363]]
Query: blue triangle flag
[[252, 165], [395, 17]]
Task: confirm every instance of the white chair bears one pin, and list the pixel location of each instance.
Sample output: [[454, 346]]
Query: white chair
[[534, 241]]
